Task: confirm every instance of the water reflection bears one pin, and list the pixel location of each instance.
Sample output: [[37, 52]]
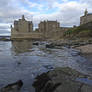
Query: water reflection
[[21, 46]]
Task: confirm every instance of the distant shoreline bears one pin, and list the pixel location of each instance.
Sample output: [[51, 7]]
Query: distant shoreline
[[5, 38]]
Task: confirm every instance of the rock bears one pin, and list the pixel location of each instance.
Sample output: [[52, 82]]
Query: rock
[[76, 52], [50, 87], [61, 80], [14, 87], [35, 43], [49, 67], [86, 88], [19, 63], [40, 82], [51, 45]]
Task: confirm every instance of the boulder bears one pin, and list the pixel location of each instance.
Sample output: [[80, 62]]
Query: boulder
[[14, 87], [50, 45], [35, 43]]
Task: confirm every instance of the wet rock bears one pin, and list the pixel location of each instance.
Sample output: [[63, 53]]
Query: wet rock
[[61, 80], [49, 67], [35, 43], [40, 82], [75, 53], [14, 87], [19, 63], [50, 87], [51, 45], [43, 84]]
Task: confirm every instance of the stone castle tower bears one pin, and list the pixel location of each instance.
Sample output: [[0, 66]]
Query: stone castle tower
[[48, 28], [21, 26], [86, 18]]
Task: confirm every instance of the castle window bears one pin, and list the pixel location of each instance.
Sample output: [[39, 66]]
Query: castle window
[[15, 22]]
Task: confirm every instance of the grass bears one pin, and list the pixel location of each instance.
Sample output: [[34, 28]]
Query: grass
[[80, 31]]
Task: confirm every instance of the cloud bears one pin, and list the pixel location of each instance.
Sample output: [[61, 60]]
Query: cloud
[[67, 12], [4, 26]]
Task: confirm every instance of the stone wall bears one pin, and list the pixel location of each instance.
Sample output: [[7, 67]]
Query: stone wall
[[85, 19], [59, 33], [31, 35]]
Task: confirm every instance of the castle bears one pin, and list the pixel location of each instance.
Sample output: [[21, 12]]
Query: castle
[[86, 18], [23, 29]]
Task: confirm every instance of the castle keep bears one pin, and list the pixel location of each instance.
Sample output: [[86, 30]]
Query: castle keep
[[21, 27], [24, 29], [86, 18]]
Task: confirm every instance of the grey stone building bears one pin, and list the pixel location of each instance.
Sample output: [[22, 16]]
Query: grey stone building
[[24, 29], [21, 26], [48, 28], [87, 17]]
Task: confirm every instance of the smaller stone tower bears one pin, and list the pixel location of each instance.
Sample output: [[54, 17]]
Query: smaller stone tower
[[86, 12], [23, 17], [86, 18]]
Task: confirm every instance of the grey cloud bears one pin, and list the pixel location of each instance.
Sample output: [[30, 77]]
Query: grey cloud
[[86, 1], [4, 27], [4, 32], [68, 13]]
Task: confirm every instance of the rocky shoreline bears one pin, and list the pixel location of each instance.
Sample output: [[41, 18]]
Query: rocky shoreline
[[70, 43], [57, 80], [66, 79], [62, 80], [84, 46]]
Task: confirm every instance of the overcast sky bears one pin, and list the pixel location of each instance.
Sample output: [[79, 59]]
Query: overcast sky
[[67, 12]]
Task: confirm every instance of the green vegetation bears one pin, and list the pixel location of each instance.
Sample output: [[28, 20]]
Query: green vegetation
[[4, 39], [80, 31]]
